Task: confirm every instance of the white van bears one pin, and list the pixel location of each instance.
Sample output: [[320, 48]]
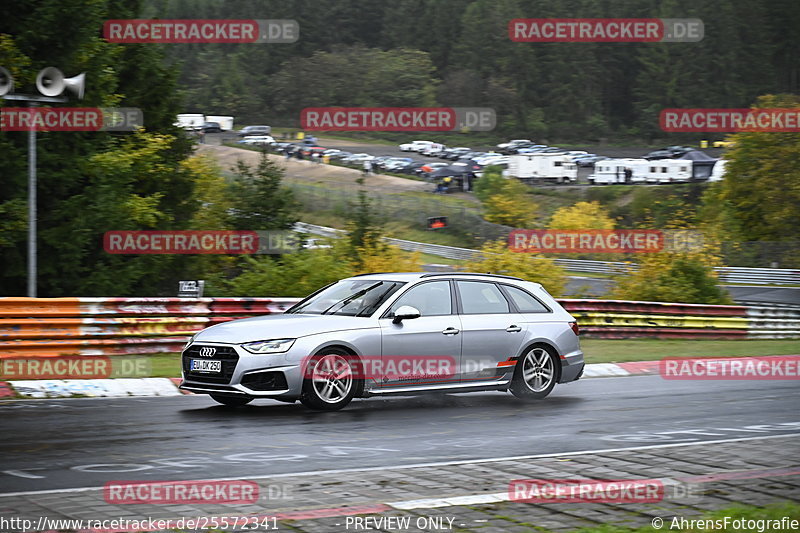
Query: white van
[[665, 171], [623, 170], [556, 166]]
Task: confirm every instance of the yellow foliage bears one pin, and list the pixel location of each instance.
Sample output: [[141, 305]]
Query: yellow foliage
[[582, 215], [387, 258], [499, 259]]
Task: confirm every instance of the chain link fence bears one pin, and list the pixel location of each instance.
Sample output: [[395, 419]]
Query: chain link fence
[[417, 210]]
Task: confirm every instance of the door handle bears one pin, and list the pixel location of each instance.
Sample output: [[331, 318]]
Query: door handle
[[450, 331], [513, 329]]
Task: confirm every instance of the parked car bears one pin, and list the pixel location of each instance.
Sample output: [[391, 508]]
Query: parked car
[[340, 155], [259, 140], [355, 337], [254, 130], [526, 149], [211, 127], [434, 151], [513, 143], [415, 146], [357, 158], [455, 153], [589, 161]]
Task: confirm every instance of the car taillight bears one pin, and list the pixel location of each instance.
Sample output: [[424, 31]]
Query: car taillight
[[575, 329]]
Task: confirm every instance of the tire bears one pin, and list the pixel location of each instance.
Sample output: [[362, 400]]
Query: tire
[[535, 374], [329, 385], [232, 401]]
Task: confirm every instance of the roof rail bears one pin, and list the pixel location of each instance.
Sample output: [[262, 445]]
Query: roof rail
[[456, 273]]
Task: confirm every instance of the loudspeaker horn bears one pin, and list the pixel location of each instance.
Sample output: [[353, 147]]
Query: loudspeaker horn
[[51, 82], [6, 82]]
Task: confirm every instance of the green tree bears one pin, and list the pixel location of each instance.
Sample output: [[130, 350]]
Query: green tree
[[759, 199], [92, 182], [672, 277], [506, 201], [260, 201]]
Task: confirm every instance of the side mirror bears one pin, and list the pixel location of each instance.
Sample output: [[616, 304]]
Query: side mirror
[[405, 312]]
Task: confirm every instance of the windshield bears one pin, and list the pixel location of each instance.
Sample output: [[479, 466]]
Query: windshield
[[349, 298]]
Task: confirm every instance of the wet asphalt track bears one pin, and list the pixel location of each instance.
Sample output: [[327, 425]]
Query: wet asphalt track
[[53, 444]]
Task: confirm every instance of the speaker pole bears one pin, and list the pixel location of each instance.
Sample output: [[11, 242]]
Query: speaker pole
[[32, 207]]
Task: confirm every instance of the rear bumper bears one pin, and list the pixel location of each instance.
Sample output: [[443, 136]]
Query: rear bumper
[[572, 366]]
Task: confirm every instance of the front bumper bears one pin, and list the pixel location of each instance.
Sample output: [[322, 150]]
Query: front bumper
[[243, 373]]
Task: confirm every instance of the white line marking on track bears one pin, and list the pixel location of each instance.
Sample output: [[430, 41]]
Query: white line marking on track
[[436, 464]]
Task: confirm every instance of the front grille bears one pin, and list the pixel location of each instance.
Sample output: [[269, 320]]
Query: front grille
[[265, 381], [226, 354]]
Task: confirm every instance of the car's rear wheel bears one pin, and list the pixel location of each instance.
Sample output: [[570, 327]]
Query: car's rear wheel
[[535, 374], [329, 382], [231, 401]]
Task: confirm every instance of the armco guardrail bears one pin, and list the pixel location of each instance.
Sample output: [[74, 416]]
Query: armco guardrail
[[755, 276], [110, 326]]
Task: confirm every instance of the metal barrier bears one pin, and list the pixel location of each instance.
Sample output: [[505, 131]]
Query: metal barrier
[[111, 326], [755, 276]]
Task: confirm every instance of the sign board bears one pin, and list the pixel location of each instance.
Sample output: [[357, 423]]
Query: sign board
[[437, 222], [191, 288]]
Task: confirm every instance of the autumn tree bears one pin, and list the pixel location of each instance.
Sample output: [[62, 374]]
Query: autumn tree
[[497, 258], [582, 215]]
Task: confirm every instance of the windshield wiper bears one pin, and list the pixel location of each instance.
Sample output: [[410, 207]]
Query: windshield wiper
[[352, 297]]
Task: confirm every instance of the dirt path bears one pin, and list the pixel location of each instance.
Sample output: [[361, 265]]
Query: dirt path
[[302, 171]]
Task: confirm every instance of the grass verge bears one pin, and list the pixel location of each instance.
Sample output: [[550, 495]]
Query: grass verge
[[620, 351], [769, 517]]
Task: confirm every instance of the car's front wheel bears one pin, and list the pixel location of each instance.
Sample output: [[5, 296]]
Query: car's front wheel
[[231, 401], [535, 374], [329, 381]]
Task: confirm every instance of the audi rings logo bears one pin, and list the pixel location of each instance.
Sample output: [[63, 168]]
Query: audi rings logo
[[207, 351]]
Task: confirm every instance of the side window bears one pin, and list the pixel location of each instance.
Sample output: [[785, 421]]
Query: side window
[[431, 299], [479, 297], [524, 301]]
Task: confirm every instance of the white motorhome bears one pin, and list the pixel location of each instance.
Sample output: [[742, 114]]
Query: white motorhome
[[554, 166], [665, 171], [623, 170], [190, 121], [225, 122]]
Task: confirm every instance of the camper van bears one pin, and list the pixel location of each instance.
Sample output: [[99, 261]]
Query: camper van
[[190, 121], [609, 171], [555, 167], [666, 171], [225, 122]]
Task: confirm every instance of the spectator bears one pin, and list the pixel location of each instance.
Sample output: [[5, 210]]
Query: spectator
[[367, 167]]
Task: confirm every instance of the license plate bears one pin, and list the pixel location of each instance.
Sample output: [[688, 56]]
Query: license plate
[[204, 365]]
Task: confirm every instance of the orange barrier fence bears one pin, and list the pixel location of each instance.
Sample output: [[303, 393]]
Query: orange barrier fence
[[110, 326]]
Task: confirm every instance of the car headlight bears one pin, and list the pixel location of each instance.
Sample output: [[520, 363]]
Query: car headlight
[[270, 346]]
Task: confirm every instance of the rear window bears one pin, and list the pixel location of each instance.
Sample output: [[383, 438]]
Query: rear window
[[525, 302]]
